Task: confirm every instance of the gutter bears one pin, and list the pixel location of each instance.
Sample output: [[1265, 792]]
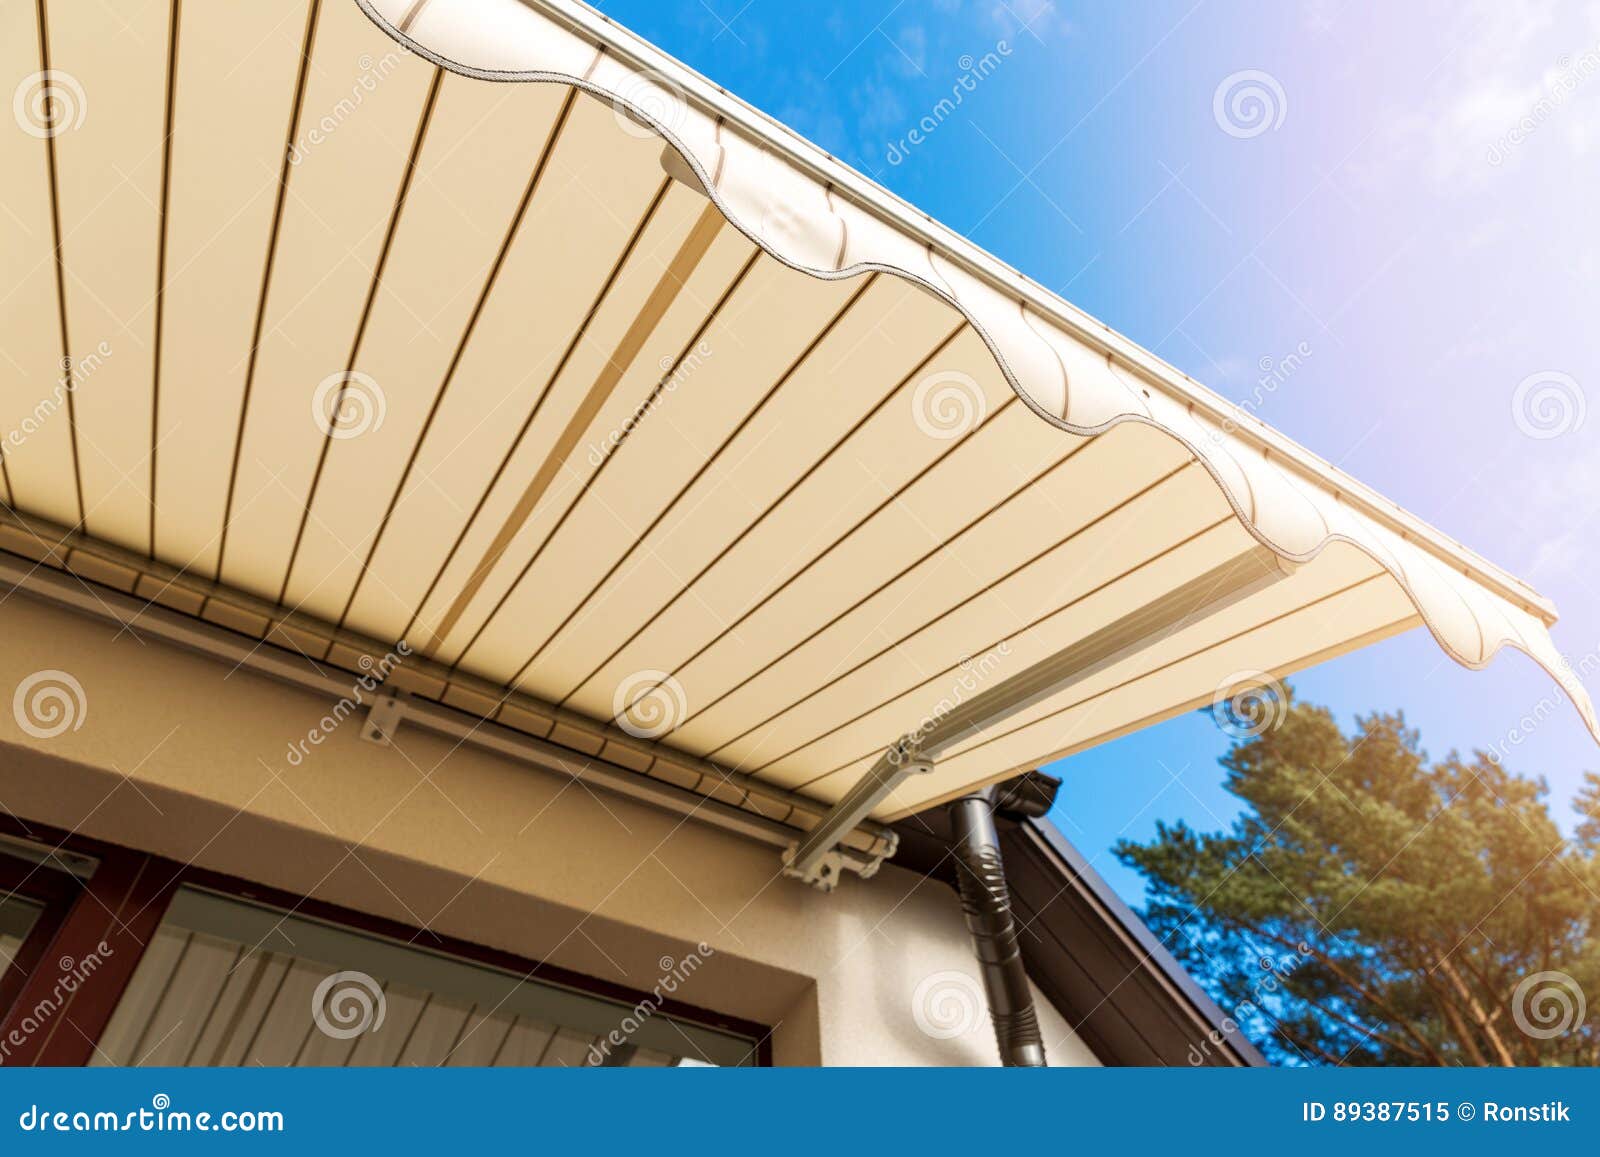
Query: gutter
[[986, 902], [1086, 952]]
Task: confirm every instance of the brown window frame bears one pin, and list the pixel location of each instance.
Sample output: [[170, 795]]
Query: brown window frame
[[55, 891], [124, 900]]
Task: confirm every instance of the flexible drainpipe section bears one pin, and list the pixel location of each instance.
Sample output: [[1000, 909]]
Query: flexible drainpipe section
[[987, 903]]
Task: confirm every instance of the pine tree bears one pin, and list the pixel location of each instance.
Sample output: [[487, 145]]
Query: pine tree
[[1372, 907]]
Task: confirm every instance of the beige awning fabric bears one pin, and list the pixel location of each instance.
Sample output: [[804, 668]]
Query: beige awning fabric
[[526, 345]]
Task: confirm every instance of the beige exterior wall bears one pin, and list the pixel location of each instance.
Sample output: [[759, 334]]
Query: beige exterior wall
[[179, 755]]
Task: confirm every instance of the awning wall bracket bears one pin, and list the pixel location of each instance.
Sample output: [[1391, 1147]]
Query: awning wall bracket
[[915, 753], [383, 717], [816, 859]]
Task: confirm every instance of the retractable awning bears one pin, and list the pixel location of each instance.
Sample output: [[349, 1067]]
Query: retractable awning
[[482, 325]]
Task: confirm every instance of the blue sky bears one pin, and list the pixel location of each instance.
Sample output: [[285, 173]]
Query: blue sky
[[1416, 210]]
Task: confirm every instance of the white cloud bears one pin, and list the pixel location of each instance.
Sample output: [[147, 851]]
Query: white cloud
[[1507, 67], [1014, 18]]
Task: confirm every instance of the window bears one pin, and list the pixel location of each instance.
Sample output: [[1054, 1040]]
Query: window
[[110, 955], [17, 918], [36, 891], [230, 982]]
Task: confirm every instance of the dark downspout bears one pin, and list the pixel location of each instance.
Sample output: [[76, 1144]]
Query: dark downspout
[[987, 903]]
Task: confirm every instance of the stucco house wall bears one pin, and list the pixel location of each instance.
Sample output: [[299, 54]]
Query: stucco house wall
[[179, 755]]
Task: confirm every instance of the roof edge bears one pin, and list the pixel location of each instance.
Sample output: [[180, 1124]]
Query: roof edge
[[1049, 839]]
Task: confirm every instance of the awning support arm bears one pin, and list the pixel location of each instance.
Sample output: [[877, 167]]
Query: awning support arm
[[813, 859]]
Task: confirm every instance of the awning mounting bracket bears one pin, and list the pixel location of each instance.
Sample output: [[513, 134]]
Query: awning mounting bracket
[[383, 717], [814, 858]]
